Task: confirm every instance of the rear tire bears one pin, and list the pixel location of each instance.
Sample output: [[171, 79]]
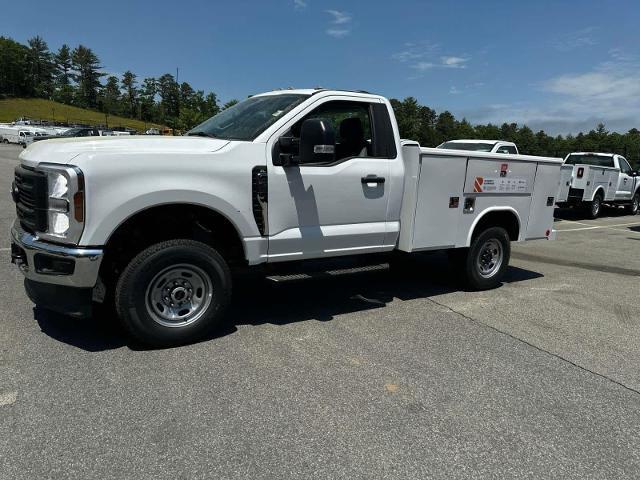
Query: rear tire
[[173, 292], [635, 204], [486, 260], [594, 207]]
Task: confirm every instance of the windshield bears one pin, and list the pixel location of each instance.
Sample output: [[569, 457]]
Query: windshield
[[72, 131], [249, 118], [475, 147], [596, 160]]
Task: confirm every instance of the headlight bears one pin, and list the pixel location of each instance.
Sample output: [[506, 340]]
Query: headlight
[[65, 202]]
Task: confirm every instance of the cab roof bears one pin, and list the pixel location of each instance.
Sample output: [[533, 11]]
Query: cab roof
[[488, 142]]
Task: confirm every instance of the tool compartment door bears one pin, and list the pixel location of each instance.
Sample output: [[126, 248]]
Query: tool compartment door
[[543, 201], [437, 196], [566, 172]]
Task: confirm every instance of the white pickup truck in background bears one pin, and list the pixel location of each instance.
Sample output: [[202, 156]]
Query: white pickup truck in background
[[589, 180], [491, 146], [157, 225]]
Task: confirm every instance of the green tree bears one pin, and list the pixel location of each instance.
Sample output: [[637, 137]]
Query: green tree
[[40, 68], [13, 68], [63, 89], [110, 97], [86, 66], [130, 96]]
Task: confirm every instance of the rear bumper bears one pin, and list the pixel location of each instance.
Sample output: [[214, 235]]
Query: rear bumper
[[47, 263]]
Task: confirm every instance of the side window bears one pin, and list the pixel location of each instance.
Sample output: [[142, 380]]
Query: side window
[[624, 166], [352, 124], [507, 149]]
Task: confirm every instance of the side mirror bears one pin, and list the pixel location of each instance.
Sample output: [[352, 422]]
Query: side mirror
[[317, 141]]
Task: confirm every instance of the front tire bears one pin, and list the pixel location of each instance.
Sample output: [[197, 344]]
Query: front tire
[[635, 204], [487, 259], [173, 292]]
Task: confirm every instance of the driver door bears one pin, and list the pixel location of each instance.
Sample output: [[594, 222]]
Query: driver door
[[625, 180], [328, 209]]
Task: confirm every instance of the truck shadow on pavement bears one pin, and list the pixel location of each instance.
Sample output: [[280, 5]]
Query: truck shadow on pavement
[[259, 301], [560, 214]]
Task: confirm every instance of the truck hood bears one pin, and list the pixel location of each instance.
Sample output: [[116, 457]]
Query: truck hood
[[64, 150]]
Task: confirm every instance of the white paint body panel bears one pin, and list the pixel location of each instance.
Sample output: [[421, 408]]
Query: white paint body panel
[[312, 212], [434, 177]]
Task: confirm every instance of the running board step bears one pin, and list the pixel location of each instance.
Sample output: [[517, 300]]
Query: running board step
[[292, 277]]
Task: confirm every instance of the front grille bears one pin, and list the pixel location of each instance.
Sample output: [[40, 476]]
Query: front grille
[[576, 193], [30, 195]]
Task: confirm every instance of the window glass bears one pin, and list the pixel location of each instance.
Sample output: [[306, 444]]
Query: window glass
[[624, 166], [475, 147], [507, 149], [587, 159], [249, 118], [352, 124]]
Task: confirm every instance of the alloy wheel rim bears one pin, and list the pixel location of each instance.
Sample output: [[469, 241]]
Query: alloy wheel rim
[[179, 295], [490, 258]]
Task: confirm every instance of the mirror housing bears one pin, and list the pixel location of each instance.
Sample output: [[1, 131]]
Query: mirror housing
[[317, 141]]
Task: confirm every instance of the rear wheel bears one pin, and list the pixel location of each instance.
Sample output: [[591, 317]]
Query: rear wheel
[[486, 260], [635, 204], [173, 292], [594, 207]]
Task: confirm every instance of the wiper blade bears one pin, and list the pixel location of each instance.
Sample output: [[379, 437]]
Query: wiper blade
[[201, 134]]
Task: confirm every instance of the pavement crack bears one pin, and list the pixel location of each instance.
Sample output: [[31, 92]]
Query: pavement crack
[[540, 349]]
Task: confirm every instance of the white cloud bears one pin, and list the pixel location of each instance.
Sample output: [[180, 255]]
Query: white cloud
[[340, 24], [338, 32], [339, 18], [454, 62], [609, 93], [423, 56], [454, 90], [584, 37], [299, 4]]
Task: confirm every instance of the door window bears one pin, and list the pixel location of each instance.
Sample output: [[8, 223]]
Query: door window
[[351, 122], [507, 149], [624, 166]]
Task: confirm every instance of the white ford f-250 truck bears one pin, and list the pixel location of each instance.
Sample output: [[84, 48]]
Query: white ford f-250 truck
[[157, 225], [590, 180]]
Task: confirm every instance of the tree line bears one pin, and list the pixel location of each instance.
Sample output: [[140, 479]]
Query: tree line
[[74, 76]]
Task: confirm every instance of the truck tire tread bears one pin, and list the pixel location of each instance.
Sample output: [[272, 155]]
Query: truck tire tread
[[129, 300]]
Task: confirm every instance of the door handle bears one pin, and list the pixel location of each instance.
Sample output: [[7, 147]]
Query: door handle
[[372, 179]]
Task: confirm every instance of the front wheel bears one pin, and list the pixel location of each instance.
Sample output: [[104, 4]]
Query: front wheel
[[487, 259], [635, 204], [173, 292]]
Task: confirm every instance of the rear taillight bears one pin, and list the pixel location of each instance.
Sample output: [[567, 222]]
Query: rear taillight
[[580, 172]]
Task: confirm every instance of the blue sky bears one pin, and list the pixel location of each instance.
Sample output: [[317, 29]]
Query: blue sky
[[558, 65]]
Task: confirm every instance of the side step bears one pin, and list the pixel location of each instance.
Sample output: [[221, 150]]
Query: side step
[[328, 273]]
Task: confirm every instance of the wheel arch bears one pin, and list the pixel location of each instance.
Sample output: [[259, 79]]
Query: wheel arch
[[506, 217], [595, 192], [168, 221]]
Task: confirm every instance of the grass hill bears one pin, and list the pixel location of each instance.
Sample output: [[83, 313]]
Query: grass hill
[[40, 109]]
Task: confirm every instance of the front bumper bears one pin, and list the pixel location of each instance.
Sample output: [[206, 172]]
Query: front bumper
[[44, 262]]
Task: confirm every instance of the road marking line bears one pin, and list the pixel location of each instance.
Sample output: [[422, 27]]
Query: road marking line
[[598, 226]]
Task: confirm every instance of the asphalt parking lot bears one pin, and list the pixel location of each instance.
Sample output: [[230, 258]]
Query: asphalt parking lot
[[366, 376]]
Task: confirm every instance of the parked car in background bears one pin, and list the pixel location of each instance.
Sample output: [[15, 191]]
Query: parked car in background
[[73, 132], [589, 180], [18, 135], [491, 146]]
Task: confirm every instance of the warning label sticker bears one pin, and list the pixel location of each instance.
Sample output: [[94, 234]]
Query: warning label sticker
[[500, 185]]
